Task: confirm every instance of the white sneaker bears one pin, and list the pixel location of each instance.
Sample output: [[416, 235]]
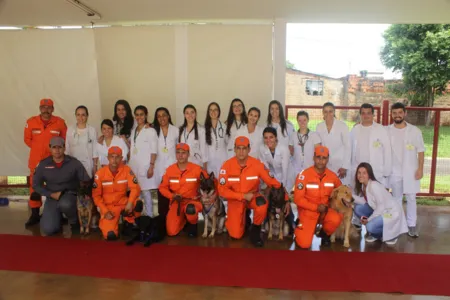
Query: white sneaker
[[370, 239], [412, 232], [391, 242]]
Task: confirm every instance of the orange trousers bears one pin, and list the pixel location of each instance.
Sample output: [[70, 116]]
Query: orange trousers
[[304, 232], [189, 211], [235, 222], [33, 203], [113, 224]]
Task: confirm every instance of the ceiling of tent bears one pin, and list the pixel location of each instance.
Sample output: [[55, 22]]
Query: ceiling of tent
[[60, 12]]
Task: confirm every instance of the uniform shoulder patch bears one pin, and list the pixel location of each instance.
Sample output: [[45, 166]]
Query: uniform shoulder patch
[[300, 186], [135, 180], [271, 174], [301, 177], [222, 181], [94, 186], [223, 171], [131, 172], [96, 177]]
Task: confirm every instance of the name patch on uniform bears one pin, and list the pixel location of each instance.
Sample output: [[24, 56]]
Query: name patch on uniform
[[222, 181], [222, 171], [50, 167], [300, 186]]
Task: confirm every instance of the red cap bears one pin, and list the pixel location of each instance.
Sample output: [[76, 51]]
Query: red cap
[[242, 141], [46, 102], [115, 150], [183, 146], [321, 151]]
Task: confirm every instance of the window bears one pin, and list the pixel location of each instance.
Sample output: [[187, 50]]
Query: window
[[314, 87]]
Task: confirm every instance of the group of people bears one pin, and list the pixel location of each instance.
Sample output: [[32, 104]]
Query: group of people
[[159, 163]]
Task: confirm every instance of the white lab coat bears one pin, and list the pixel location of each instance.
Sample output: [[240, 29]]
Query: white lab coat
[[198, 153], [338, 143], [142, 146], [82, 147], [413, 144], [302, 161], [285, 137], [164, 159], [379, 152], [235, 127], [256, 139], [217, 151], [101, 150], [279, 164], [383, 204]]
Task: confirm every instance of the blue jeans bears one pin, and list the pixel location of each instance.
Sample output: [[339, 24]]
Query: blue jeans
[[375, 226]]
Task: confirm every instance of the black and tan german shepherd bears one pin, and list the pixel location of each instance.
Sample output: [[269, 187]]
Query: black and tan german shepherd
[[276, 224], [213, 208]]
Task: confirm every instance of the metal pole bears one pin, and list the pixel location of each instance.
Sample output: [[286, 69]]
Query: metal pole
[[437, 122]]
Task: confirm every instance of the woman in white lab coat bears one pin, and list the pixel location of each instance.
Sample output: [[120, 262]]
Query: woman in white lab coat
[[376, 208], [81, 139], [144, 147], [275, 118], [215, 139], [167, 140], [303, 143], [236, 119], [335, 135], [276, 157], [193, 134], [108, 140], [253, 131]]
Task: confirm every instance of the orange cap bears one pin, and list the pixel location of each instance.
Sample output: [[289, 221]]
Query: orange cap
[[46, 102], [183, 146], [321, 151], [242, 141], [115, 150]]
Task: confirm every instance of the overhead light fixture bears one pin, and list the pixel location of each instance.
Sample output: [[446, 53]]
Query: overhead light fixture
[[71, 27], [10, 28], [46, 27], [89, 11]]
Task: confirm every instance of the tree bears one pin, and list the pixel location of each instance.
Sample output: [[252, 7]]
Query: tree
[[289, 65], [422, 53]]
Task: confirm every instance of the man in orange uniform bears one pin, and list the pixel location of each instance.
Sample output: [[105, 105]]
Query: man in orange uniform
[[181, 184], [313, 188], [109, 191], [37, 134], [239, 181]]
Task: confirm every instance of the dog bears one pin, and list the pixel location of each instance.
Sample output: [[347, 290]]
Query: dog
[[87, 213], [146, 233], [276, 224], [341, 200], [213, 208]]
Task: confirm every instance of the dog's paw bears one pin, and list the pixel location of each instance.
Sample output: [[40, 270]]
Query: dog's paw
[[205, 235], [280, 238], [81, 230], [332, 239], [211, 235], [346, 244], [269, 237], [86, 231]]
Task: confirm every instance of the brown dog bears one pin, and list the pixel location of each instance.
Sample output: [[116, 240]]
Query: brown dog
[[341, 200], [213, 207], [87, 212], [276, 224]]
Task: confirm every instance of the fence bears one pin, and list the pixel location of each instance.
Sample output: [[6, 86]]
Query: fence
[[434, 123]]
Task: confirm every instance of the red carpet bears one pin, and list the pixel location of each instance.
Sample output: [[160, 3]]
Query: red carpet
[[254, 268]]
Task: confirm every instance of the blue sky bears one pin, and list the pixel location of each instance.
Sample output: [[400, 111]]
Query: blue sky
[[336, 50]]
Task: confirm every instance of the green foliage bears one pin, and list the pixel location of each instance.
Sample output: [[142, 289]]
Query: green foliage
[[422, 53], [289, 65]]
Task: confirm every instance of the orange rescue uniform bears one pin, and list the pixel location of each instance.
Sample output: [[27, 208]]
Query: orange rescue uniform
[[186, 184], [110, 194], [37, 136], [312, 189], [234, 182]]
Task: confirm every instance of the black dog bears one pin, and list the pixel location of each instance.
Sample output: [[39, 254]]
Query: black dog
[[277, 222], [148, 232]]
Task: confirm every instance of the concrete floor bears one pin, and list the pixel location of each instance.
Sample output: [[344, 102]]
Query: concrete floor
[[434, 229]]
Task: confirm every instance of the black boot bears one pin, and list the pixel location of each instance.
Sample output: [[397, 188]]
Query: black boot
[[75, 228], [192, 230], [248, 220], [255, 236], [325, 239], [34, 218]]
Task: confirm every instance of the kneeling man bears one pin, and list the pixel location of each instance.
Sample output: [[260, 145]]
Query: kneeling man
[[239, 181], [109, 191], [313, 187], [180, 184]]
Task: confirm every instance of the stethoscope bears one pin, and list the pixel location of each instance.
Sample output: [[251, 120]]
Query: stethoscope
[[75, 135], [218, 132]]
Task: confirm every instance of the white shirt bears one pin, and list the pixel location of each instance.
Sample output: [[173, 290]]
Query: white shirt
[[166, 155], [101, 150], [285, 136], [143, 145], [233, 135], [338, 143], [303, 158], [398, 143], [256, 139], [217, 151], [362, 153], [278, 164], [198, 153], [80, 143]]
